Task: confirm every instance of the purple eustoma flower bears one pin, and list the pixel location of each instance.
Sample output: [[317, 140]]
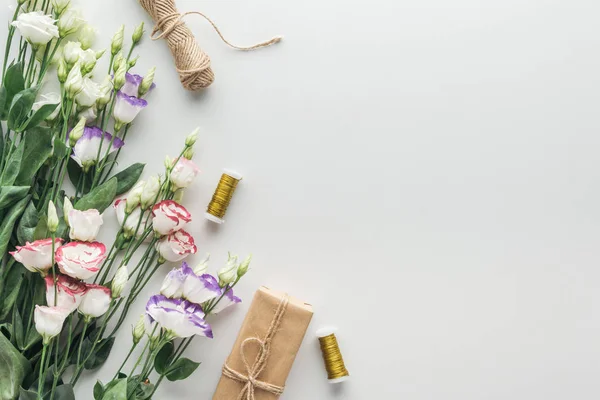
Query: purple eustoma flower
[[85, 150], [132, 85], [228, 300], [179, 317], [127, 108], [199, 289]]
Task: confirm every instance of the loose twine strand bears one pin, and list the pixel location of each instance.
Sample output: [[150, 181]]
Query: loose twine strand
[[192, 63], [250, 381]]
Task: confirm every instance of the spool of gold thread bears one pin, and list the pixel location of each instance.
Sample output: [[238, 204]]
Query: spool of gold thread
[[332, 356], [217, 208]]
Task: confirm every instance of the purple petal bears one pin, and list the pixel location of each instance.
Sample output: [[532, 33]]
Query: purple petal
[[132, 100]]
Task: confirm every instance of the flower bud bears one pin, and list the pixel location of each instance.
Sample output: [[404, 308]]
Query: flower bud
[[69, 22], [52, 217], [243, 268], [100, 53], [120, 76], [139, 329], [62, 71], [202, 267], [59, 6], [71, 53], [137, 34], [67, 207], [168, 162], [190, 140], [74, 82], [119, 281], [188, 153], [117, 61], [151, 189], [87, 36], [117, 41], [131, 63], [134, 196], [147, 82], [106, 89], [228, 273], [77, 132]]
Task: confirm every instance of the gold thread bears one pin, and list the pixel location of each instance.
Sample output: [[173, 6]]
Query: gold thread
[[222, 196], [334, 363]]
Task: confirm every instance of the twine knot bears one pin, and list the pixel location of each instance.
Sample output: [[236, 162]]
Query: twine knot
[[191, 62], [250, 379]]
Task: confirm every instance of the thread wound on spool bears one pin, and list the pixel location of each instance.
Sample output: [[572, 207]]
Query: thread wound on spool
[[222, 196], [332, 356]]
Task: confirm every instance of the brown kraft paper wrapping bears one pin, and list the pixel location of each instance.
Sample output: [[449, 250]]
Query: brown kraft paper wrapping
[[284, 345]]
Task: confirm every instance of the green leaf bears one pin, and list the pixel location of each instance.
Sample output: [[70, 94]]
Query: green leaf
[[14, 82], [27, 224], [18, 329], [3, 97], [27, 394], [13, 368], [9, 222], [11, 194], [11, 289], [40, 115], [20, 108], [64, 392], [61, 150], [41, 230], [161, 362], [13, 166], [144, 391], [129, 177], [33, 338], [101, 353], [75, 174], [98, 390], [181, 369], [116, 391], [100, 197], [38, 148]]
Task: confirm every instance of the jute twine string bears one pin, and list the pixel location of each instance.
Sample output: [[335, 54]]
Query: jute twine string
[[192, 63], [250, 380]]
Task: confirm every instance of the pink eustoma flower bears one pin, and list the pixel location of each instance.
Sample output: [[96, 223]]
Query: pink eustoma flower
[[69, 292], [176, 246], [80, 260], [37, 256], [168, 217], [96, 301]]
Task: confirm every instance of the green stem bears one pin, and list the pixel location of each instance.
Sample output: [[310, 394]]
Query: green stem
[[85, 325], [11, 33], [41, 376], [125, 360]]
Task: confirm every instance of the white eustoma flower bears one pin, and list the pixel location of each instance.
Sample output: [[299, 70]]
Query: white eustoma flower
[[88, 61], [72, 52], [119, 281], [151, 189], [74, 82], [96, 301], [106, 90], [86, 149], [87, 34], [202, 266], [132, 220], [90, 92], [183, 173], [69, 22], [49, 321], [60, 6], [48, 98], [84, 225], [89, 114], [37, 28], [228, 273], [172, 286]]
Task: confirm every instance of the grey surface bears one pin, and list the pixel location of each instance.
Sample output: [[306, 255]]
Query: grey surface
[[425, 173]]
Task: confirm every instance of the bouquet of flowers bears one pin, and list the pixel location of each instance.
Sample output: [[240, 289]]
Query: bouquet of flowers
[[63, 295]]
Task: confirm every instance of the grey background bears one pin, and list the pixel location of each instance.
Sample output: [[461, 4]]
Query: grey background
[[425, 173]]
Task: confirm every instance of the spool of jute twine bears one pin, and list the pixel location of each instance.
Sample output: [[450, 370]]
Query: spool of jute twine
[[192, 63]]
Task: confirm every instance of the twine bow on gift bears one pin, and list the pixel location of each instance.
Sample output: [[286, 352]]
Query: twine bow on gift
[[250, 378], [192, 63]]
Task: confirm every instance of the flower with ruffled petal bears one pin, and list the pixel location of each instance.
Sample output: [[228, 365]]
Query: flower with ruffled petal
[[183, 173], [49, 321], [168, 217], [127, 108], [84, 225], [227, 300], [179, 318], [86, 148], [199, 289], [36, 256], [176, 246], [37, 28], [80, 260], [45, 99], [70, 292], [96, 301]]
